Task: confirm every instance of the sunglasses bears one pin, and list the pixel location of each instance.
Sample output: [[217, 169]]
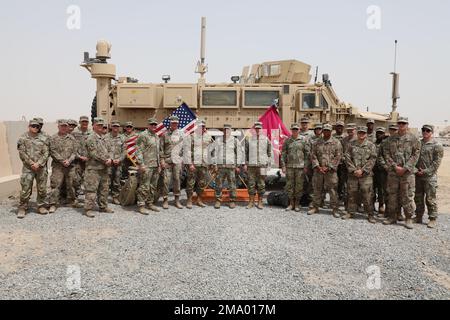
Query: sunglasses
[[129, 127], [426, 130], [35, 126], [402, 123]]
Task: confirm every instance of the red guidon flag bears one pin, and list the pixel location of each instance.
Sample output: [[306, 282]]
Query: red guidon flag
[[271, 121]]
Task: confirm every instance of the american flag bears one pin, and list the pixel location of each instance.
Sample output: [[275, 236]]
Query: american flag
[[130, 146], [187, 120]]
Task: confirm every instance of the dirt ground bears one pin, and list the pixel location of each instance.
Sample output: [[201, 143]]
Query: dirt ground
[[444, 183]]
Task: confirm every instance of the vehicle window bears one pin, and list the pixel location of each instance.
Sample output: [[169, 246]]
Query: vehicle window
[[260, 98], [219, 98], [309, 100]]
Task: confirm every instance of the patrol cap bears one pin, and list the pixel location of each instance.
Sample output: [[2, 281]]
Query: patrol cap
[[152, 121], [62, 122], [258, 125], [174, 119], [72, 122], [318, 126], [402, 120], [393, 127], [227, 126], [295, 126], [370, 121], [380, 129], [84, 118], [340, 123], [328, 127], [33, 123], [39, 120], [304, 120], [201, 122], [362, 129], [115, 123], [428, 126], [351, 126], [100, 121], [129, 124]]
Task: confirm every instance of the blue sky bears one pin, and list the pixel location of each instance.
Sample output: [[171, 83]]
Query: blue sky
[[40, 56]]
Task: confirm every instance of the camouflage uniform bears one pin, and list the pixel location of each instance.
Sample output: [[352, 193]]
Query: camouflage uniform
[[62, 147], [258, 151], [96, 179], [118, 153], [346, 141], [431, 154], [33, 150], [326, 153], [171, 147], [80, 166], [295, 157], [341, 171], [360, 156], [148, 154], [403, 151], [379, 176]]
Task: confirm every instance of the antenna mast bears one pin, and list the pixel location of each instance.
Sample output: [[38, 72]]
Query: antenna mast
[[202, 68], [395, 84]]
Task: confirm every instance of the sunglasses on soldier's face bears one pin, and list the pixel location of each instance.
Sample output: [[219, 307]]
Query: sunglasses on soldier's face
[[35, 126], [426, 130]]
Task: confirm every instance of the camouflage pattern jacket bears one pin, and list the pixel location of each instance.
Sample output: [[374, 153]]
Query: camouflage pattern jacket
[[63, 148], [148, 151], [403, 151], [258, 151], [197, 149], [98, 151], [295, 153], [326, 153], [431, 154], [33, 150], [171, 146], [81, 137], [117, 146], [361, 156]]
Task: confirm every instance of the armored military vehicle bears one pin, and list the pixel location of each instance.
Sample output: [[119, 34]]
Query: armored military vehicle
[[239, 102]]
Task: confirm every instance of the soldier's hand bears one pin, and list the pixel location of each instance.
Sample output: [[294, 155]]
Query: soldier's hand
[[400, 171], [358, 173], [238, 170], [84, 159], [191, 168], [141, 168], [283, 169], [116, 162], [108, 162], [420, 173], [66, 163], [35, 166]]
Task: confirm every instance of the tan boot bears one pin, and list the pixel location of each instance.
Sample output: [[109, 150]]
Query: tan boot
[[178, 203], [297, 205], [260, 204], [21, 213], [89, 214], [143, 211], [347, 216], [189, 202], [409, 223], [200, 202], [432, 223], [52, 209], [372, 219], [390, 220], [232, 205], [381, 209], [116, 201], [153, 208], [336, 213], [291, 205], [217, 204], [165, 203], [400, 217], [251, 202], [313, 210], [107, 210], [42, 211], [75, 204]]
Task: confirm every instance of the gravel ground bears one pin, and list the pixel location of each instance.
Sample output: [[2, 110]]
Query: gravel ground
[[218, 254]]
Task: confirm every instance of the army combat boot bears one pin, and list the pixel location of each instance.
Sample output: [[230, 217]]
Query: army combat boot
[[313, 210], [297, 205], [189, 202], [178, 203], [291, 205], [347, 216], [336, 213], [409, 223], [107, 210], [21, 213], [217, 204], [52, 209], [143, 211], [251, 202], [390, 220], [165, 203], [200, 201], [116, 200], [371, 219], [42, 210], [89, 214], [432, 223], [260, 204], [153, 208]]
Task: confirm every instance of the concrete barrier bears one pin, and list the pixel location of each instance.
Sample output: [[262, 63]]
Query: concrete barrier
[[10, 164]]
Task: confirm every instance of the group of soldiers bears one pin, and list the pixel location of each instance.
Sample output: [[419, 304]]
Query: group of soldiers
[[362, 167]]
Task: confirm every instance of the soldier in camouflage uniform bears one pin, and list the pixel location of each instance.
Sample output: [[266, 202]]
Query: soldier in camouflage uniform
[[228, 157], [379, 173], [307, 181], [371, 135], [81, 135], [360, 157], [63, 150], [295, 163], [115, 139], [197, 157], [40, 121], [258, 154], [349, 138], [96, 180], [401, 155], [326, 155], [34, 152], [431, 154], [148, 159], [72, 124], [171, 146], [342, 171]]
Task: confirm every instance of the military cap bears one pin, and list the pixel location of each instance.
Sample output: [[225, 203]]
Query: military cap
[[304, 120], [33, 123], [370, 121], [39, 120], [152, 121], [402, 120], [201, 122], [295, 126], [428, 126], [84, 118], [340, 123], [393, 127], [99, 121], [318, 126], [380, 129], [258, 125], [362, 129], [351, 126], [129, 124], [72, 122], [328, 127], [63, 122], [227, 126], [174, 119], [115, 123]]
